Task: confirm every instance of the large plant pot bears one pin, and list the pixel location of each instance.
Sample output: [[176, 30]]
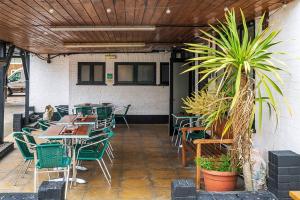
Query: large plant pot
[[216, 181]]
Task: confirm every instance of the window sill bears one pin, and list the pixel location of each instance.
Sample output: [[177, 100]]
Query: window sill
[[120, 84], [163, 85], [91, 84]]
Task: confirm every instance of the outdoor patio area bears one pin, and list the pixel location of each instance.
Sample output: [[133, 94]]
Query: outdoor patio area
[[145, 164]]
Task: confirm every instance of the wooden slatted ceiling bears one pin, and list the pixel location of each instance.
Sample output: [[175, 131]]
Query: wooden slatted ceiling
[[26, 23]]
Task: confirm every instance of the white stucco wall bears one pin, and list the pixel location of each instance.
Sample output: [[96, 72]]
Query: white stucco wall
[[49, 83], [145, 100], [56, 83], [287, 135]]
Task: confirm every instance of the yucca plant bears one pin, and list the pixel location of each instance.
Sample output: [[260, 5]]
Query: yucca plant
[[234, 62]]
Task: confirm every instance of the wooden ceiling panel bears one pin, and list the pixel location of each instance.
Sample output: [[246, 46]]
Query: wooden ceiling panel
[[27, 23]]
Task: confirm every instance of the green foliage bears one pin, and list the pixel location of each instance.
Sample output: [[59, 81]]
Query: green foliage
[[236, 59], [209, 105], [222, 164]]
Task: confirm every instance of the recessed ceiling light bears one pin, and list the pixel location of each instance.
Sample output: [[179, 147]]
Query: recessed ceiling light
[[51, 10], [284, 4], [103, 28], [168, 11], [103, 45], [108, 10]]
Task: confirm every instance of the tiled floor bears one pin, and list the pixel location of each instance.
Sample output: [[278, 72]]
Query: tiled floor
[[144, 167]]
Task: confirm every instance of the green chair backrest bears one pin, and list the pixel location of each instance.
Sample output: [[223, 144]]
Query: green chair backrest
[[28, 135], [84, 110], [43, 124], [22, 145], [103, 112], [51, 155], [62, 111]]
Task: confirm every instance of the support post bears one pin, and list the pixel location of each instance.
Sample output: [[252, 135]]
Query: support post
[[25, 63], [3, 69]]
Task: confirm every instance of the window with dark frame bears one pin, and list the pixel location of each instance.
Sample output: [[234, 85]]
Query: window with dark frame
[[164, 73], [91, 73], [135, 73]]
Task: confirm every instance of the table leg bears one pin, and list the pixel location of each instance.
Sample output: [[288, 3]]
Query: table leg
[[74, 163]]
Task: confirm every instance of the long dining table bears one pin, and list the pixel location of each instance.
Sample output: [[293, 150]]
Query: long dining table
[[67, 133], [78, 120]]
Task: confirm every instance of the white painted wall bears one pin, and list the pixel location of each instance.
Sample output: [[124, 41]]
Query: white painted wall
[[287, 135], [49, 83], [145, 100], [56, 83]]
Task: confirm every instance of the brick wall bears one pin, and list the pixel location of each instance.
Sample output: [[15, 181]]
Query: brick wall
[[56, 83]]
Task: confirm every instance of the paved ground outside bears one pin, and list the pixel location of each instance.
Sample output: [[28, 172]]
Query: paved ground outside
[[14, 104], [145, 164]]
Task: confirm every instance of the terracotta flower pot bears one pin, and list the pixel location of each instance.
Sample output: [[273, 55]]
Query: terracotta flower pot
[[219, 181]]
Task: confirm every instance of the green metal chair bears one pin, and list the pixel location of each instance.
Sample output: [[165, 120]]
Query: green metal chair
[[28, 156], [43, 124], [52, 155], [84, 110], [94, 137], [27, 132], [85, 153], [62, 111], [123, 116]]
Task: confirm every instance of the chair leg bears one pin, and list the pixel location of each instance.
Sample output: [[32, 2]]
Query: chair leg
[[67, 181], [173, 134], [177, 137], [104, 173], [19, 172], [179, 145], [109, 144], [27, 166], [110, 152], [107, 153], [35, 179], [126, 121], [106, 169]]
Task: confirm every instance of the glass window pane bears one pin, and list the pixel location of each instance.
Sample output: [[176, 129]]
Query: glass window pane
[[85, 72], [164, 74], [146, 73], [125, 73], [98, 72]]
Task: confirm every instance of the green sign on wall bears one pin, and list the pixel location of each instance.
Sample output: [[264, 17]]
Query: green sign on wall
[[109, 76]]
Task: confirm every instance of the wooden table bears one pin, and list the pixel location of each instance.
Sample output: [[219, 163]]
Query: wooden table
[[61, 132], [93, 105], [76, 120]]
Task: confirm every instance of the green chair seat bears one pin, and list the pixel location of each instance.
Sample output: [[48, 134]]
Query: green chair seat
[[88, 155]]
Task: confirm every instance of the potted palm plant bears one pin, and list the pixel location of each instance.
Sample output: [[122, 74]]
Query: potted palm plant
[[233, 64], [218, 173]]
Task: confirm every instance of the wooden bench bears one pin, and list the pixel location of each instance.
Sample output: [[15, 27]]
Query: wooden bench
[[210, 147]]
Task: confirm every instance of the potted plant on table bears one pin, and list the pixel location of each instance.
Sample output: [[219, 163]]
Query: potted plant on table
[[218, 173], [233, 63]]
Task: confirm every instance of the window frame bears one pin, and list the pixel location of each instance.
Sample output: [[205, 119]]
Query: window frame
[[91, 75], [135, 73], [161, 82]]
